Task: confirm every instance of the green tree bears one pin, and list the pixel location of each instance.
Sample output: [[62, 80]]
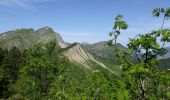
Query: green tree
[[140, 62], [42, 67], [3, 74], [10, 63]]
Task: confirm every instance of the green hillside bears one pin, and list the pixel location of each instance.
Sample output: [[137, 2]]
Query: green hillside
[[48, 66], [102, 49], [24, 38], [40, 65]]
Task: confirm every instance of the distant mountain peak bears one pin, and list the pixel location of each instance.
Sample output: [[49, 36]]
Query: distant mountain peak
[[25, 37], [77, 54], [18, 30], [46, 28]]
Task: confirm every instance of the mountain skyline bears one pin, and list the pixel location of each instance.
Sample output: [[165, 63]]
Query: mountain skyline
[[80, 21], [85, 50], [81, 53]]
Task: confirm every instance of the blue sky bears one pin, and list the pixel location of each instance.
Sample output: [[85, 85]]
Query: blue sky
[[81, 20]]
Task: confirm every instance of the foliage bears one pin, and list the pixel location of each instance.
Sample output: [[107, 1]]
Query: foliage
[[119, 25], [43, 65], [147, 79], [10, 62], [42, 72]]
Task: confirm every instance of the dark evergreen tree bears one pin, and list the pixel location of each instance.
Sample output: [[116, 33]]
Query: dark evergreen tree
[[10, 62]]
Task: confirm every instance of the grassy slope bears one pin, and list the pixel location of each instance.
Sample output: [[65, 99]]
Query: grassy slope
[[19, 38], [101, 49], [165, 63], [113, 64], [105, 54], [80, 56], [24, 38]]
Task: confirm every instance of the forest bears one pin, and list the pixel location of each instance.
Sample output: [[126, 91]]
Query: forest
[[41, 72]]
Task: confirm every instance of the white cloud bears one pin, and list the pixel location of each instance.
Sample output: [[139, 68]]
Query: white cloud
[[27, 4]]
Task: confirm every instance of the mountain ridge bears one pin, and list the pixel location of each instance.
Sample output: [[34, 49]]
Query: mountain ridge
[[85, 54], [25, 38]]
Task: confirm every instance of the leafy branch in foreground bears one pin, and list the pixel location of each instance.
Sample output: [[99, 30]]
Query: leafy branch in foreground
[[141, 73], [158, 11], [118, 26]]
